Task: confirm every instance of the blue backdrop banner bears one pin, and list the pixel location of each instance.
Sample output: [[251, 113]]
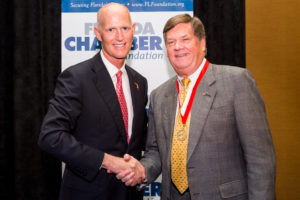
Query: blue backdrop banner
[[148, 53], [132, 5]]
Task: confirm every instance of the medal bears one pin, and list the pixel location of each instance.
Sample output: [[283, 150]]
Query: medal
[[181, 135]]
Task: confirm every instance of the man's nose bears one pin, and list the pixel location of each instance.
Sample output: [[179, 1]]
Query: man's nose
[[178, 45], [119, 35]]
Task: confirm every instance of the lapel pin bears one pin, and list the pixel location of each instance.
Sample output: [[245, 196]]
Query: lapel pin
[[205, 94], [137, 86]]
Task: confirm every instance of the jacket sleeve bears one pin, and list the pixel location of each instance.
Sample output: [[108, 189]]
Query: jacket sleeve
[[151, 159], [256, 139], [56, 137]]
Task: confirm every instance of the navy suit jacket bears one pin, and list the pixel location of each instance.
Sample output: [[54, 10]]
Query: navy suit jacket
[[84, 121]]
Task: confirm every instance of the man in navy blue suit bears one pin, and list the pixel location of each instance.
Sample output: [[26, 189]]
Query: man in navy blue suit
[[98, 114]]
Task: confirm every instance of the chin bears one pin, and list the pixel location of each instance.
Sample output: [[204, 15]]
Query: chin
[[181, 68], [120, 55]]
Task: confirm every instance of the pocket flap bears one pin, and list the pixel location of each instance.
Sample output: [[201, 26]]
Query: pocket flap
[[233, 188]]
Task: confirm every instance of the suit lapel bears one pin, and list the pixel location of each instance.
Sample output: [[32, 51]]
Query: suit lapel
[[170, 105], [106, 89], [134, 87], [204, 97]]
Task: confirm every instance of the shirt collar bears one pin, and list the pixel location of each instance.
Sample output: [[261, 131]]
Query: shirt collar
[[193, 77], [112, 70]]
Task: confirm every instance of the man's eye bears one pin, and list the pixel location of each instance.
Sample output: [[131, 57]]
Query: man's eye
[[110, 30], [125, 28], [170, 42]]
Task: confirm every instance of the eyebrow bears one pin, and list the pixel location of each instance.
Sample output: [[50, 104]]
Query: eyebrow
[[186, 35], [183, 36]]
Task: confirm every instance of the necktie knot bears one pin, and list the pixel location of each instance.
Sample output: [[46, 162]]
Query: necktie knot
[[119, 75], [183, 91], [186, 82]]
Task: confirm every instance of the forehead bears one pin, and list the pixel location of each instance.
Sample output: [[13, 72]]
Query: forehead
[[115, 17], [180, 30]]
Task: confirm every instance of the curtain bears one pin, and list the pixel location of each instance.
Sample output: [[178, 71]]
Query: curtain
[[224, 21], [6, 109], [30, 63]]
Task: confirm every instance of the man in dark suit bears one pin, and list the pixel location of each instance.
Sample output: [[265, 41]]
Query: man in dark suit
[[98, 114], [207, 134]]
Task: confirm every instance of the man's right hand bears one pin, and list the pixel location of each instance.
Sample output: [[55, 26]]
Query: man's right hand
[[135, 175], [114, 164]]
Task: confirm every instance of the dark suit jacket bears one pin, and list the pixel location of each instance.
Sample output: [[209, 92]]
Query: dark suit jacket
[[84, 121], [230, 150]]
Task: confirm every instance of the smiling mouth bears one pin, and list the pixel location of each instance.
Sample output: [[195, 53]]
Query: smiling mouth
[[119, 45], [180, 55]]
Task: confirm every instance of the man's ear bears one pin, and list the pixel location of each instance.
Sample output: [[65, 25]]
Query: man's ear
[[97, 33], [203, 44], [133, 28]]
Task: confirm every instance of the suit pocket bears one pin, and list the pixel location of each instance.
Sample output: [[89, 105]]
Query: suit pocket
[[232, 189]]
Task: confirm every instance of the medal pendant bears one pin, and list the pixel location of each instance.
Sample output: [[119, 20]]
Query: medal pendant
[[181, 135]]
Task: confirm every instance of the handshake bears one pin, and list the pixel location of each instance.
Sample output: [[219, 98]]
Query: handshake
[[127, 169]]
